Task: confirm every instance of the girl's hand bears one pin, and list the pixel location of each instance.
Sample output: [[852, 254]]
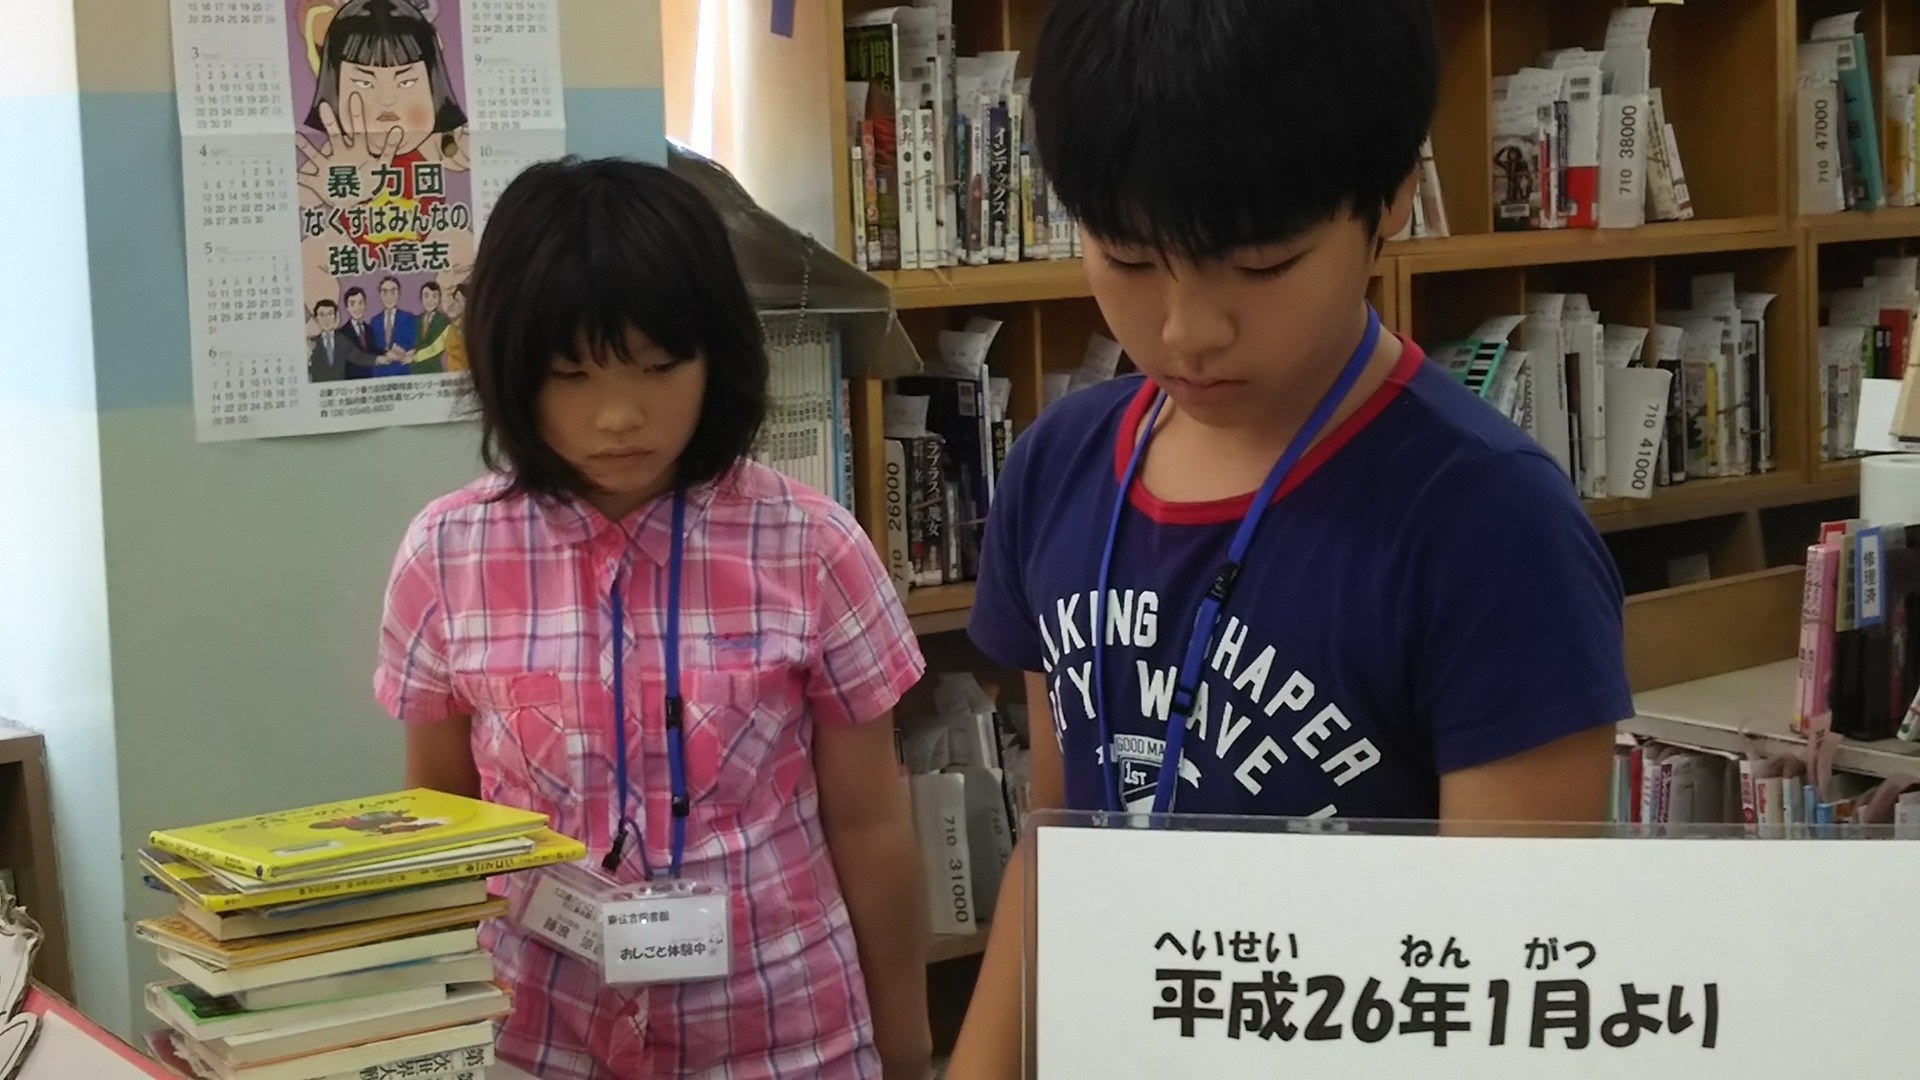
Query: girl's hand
[[352, 147]]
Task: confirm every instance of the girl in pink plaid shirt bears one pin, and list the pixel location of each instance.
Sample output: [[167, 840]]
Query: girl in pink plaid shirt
[[621, 381]]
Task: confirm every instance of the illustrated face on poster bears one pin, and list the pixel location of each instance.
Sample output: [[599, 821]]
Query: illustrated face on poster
[[385, 186]]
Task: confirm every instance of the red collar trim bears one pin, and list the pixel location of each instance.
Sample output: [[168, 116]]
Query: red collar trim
[[1219, 510]]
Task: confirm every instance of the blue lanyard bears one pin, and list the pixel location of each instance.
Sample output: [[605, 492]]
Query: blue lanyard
[[676, 753], [1206, 619]]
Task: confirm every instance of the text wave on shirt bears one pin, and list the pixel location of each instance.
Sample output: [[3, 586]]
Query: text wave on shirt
[[1238, 689]]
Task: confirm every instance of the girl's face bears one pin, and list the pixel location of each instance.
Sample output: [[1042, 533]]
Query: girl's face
[[429, 301], [393, 97], [623, 424]]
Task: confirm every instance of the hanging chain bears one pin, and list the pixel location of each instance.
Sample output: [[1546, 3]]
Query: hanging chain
[[799, 318]]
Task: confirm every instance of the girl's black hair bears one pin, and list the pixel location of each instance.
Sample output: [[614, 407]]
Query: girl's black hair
[[383, 33], [577, 251]]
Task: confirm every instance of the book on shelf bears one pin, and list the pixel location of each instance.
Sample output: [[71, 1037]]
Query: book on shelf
[[1667, 787], [366, 957], [966, 769], [1866, 332], [808, 432], [943, 166], [1581, 139], [1859, 659], [946, 435], [1855, 679], [1429, 216], [1844, 162], [1626, 410]]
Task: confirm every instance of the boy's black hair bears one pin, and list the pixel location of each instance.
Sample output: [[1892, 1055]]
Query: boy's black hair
[[383, 33], [1195, 127], [323, 302], [355, 291], [578, 251]]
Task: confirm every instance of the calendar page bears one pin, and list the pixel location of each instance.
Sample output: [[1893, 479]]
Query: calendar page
[[339, 160]]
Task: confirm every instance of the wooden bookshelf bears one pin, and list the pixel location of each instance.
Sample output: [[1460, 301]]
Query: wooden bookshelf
[[1726, 69], [966, 286], [26, 849]]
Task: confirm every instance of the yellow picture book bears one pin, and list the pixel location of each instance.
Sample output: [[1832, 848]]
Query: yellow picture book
[[311, 840], [205, 889]]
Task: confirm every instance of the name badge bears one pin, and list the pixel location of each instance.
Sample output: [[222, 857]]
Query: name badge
[[671, 932], [564, 911], [658, 932]]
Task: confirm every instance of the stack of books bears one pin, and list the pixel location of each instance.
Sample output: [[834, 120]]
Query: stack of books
[[338, 939]]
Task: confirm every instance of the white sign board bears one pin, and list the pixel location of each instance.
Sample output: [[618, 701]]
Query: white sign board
[[1227, 955]]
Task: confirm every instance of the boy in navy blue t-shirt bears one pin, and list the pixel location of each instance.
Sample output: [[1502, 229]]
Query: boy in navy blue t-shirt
[[1425, 623]]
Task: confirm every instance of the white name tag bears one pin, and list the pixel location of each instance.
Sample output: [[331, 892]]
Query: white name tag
[[565, 913], [678, 934], [660, 932]]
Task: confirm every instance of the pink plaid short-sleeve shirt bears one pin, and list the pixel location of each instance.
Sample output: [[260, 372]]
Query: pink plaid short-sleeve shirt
[[499, 609]]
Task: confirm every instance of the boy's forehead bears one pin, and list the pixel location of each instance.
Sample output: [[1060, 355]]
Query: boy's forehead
[[1253, 246]]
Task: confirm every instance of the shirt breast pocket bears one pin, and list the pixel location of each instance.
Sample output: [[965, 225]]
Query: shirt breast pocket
[[520, 724], [740, 737]]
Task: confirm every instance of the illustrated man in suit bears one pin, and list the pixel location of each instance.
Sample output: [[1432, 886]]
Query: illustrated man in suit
[[332, 350], [394, 332], [359, 331]]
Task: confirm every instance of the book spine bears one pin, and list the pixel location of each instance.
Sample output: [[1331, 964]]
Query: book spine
[[544, 855], [857, 188], [926, 511], [845, 436], [1749, 797], [870, 59], [1002, 244], [1752, 399], [1581, 151], [1674, 454], [930, 197], [1816, 639], [206, 856], [1863, 134], [1662, 189]]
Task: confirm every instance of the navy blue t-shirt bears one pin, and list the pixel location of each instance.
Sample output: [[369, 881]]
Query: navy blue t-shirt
[[1426, 593]]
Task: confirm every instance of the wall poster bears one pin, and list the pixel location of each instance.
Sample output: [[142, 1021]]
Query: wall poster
[[340, 158]]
